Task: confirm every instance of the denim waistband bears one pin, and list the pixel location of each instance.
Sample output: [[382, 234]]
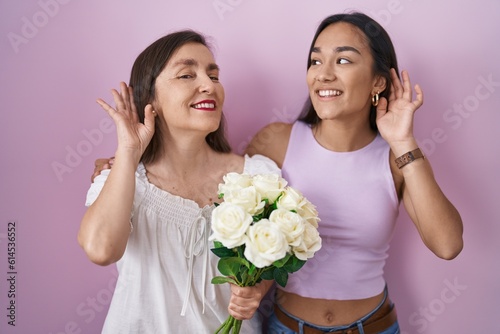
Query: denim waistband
[[358, 323]]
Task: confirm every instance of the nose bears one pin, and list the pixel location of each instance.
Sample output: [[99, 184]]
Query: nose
[[206, 85], [326, 73]]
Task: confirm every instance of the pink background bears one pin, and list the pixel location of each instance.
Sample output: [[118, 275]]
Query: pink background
[[58, 56]]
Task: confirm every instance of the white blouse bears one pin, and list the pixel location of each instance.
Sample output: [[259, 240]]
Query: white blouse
[[164, 275]]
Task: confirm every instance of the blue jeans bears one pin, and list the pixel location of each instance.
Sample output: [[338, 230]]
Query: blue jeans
[[276, 327]]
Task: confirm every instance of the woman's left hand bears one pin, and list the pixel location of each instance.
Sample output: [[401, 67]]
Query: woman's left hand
[[395, 117]]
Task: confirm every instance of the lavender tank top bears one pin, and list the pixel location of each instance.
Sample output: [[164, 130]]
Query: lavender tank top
[[357, 203]]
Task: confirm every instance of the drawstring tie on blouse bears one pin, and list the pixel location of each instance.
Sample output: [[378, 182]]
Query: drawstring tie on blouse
[[194, 248]]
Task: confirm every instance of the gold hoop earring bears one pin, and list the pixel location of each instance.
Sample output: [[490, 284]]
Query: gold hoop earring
[[375, 100]]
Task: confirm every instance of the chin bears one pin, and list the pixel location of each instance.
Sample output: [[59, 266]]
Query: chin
[[211, 126], [325, 115]]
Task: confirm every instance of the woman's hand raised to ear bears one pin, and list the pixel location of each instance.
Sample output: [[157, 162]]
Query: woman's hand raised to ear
[[395, 117], [133, 136]]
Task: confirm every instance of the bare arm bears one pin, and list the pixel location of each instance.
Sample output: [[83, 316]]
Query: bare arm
[[271, 141], [105, 226], [437, 220]]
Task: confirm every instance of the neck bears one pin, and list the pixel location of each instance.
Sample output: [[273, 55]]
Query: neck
[[342, 137], [183, 158]]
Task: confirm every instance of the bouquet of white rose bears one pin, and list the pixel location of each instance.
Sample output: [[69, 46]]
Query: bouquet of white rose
[[264, 229]]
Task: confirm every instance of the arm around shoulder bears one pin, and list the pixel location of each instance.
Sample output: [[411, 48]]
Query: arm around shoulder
[[271, 141]]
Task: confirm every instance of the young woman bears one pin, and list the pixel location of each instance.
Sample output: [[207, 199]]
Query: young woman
[[151, 213], [352, 152]]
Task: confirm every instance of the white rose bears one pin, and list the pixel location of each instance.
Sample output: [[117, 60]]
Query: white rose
[[248, 198], [309, 213], [291, 200], [290, 223], [270, 186], [229, 225], [311, 243], [265, 244], [234, 181]]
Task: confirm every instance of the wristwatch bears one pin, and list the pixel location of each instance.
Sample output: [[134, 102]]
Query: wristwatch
[[408, 157]]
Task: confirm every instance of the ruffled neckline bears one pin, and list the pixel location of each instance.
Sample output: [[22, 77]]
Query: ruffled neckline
[[184, 202]]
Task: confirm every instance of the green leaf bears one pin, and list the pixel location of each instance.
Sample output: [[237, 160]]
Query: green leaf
[[293, 264], [241, 251], [266, 213], [243, 275], [223, 279], [282, 262], [244, 262], [280, 276], [230, 266], [257, 218], [223, 252], [268, 274]]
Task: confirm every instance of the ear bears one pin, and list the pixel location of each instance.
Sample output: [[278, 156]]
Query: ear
[[380, 84]]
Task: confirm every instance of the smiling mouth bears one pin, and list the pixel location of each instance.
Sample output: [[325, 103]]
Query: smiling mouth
[[329, 92], [204, 105]]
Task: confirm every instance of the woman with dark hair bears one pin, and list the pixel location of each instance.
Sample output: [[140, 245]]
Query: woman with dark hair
[[352, 152], [151, 213]]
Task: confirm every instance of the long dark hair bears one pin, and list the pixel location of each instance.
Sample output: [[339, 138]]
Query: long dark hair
[[146, 69], [382, 51]]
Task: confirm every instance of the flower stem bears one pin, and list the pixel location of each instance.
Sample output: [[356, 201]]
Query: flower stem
[[230, 326]]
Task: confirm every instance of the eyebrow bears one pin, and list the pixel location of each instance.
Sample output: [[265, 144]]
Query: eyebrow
[[338, 49], [192, 62]]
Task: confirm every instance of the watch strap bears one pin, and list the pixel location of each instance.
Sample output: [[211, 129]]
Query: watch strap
[[409, 157]]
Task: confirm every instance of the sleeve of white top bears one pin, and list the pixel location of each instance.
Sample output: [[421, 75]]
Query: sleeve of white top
[[141, 185], [96, 187], [259, 164]]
